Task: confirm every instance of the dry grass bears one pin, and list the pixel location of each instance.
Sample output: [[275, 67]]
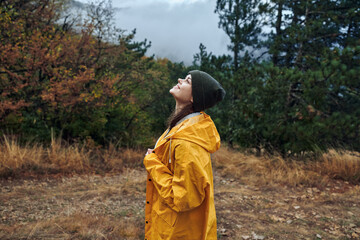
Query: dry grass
[[76, 226], [35, 159], [275, 169], [112, 207], [74, 207], [17, 160], [252, 197], [344, 165]]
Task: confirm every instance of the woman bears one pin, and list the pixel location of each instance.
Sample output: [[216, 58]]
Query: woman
[[179, 191]]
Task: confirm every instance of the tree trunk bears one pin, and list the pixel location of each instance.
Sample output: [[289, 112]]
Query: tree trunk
[[275, 57], [236, 43], [299, 55]]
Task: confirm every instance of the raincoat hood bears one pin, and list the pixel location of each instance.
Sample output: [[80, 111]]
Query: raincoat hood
[[200, 130]]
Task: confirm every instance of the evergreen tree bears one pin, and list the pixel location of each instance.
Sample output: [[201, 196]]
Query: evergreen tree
[[240, 21], [300, 99]]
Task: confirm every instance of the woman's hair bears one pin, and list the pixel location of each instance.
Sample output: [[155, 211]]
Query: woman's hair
[[175, 118]]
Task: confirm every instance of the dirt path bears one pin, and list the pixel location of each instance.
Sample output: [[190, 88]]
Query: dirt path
[[112, 207]]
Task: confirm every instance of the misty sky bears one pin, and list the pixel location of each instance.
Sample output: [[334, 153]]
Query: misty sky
[[175, 27]]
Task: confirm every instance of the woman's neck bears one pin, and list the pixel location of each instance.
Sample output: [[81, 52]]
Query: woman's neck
[[180, 112], [179, 107]]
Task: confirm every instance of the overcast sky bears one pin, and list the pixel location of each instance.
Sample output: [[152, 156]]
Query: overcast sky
[[175, 27]]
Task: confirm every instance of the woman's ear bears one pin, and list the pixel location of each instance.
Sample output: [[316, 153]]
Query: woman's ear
[[192, 100]]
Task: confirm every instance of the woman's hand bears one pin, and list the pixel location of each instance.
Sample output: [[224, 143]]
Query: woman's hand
[[149, 151]]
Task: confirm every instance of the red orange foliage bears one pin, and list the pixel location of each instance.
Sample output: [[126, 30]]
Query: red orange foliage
[[50, 72]]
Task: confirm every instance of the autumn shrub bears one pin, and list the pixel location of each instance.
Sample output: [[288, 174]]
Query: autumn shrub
[[84, 82]]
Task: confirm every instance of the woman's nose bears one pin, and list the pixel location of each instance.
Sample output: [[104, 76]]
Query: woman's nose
[[179, 80]]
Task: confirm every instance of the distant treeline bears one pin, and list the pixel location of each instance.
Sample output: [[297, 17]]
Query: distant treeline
[[293, 90]]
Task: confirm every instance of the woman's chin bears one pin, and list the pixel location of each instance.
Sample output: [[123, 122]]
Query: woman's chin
[[172, 91]]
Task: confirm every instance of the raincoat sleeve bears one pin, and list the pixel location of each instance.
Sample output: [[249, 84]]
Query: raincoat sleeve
[[184, 189]]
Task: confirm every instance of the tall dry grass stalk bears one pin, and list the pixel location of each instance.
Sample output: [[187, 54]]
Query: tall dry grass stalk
[[35, 159], [13, 156], [67, 158], [266, 170], [340, 165]]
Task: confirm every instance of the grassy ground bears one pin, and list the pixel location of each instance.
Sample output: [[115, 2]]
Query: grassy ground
[[255, 197]]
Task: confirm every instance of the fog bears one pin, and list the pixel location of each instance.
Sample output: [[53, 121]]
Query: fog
[[175, 27]]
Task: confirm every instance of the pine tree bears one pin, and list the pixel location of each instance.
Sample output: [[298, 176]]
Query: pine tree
[[241, 22]]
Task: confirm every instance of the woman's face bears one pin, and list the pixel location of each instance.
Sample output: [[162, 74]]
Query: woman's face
[[182, 92]]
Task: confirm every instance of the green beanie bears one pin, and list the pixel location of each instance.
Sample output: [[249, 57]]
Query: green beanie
[[206, 90]]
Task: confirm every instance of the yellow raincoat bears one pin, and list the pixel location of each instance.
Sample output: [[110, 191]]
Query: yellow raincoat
[[179, 191]]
